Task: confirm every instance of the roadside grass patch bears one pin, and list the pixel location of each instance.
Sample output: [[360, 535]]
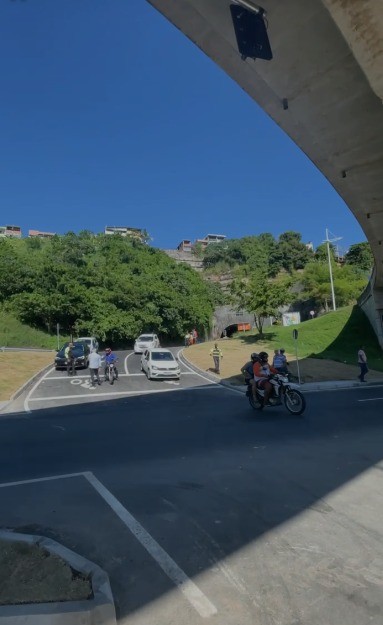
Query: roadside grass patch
[[13, 333], [17, 367], [335, 336], [30, 574]]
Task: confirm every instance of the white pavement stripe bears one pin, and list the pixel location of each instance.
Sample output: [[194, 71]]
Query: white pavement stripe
[[42, 479], [34, 387], [126, 363], [69, 378], [196, 373], [193, 594], [372, 399], [90, 394]]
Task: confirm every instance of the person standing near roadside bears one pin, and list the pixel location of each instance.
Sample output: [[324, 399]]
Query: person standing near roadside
[[187, 339], [69, 357], [195, 336], [362, 362], [217, 357], [94, 366]]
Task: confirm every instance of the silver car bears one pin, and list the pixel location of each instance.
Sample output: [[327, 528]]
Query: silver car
[[144, 342]]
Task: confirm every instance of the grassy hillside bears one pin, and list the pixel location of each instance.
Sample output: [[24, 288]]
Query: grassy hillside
[[336, 336], [13, 333]]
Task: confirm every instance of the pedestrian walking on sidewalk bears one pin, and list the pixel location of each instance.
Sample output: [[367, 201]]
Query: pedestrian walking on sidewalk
[[362, 362], [217, 357], [94, 367]]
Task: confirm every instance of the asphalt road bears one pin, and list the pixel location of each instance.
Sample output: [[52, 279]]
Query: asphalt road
[[200, 511]]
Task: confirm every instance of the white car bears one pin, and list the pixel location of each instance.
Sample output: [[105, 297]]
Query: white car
[[91, 342], [160, 363], [144, 342]]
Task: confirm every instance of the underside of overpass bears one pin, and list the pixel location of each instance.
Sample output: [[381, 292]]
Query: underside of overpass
[[323, 87]]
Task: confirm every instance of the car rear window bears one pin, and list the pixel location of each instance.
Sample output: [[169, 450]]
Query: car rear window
[[146, 337], [162, 356]]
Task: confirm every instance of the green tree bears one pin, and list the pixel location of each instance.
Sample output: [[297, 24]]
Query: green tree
[[361, 256], [349, 282], [292, 253], [262, 297]]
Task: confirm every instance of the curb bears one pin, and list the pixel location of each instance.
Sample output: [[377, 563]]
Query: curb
[[206, 374], [97, 610], [307, 387], [23, 387]]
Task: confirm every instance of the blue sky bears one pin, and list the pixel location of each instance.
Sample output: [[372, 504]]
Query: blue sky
[[109, 115]]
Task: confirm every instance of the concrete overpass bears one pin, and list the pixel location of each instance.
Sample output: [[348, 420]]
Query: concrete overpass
[[323, 87]]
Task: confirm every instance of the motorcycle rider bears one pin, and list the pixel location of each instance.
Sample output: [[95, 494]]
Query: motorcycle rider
[[110, 358], [262, 371]]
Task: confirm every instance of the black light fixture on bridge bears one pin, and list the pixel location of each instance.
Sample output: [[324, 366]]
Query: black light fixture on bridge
[[250, 30]]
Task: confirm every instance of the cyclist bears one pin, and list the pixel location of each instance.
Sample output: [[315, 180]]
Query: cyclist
[[110, 358]]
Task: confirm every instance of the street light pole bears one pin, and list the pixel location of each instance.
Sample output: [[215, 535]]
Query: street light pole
[[328, 241]]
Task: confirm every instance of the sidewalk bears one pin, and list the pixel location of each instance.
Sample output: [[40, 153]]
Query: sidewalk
[[328, 385]]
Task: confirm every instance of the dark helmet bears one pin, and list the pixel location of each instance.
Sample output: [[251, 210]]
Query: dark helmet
[[263, 355], [254, 356]]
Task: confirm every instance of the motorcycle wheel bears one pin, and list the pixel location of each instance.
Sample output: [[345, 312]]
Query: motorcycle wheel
[[111, 376], [254, 403], [294, 401]]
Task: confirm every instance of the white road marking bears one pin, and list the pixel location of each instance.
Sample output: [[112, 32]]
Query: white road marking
[[372, 399], [50, 478], [34, 387], [68, 378], [126, 363], [193, 594], [83, 396], [189, 589]]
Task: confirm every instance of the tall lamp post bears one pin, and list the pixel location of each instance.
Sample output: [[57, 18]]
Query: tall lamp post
[[328, 241]]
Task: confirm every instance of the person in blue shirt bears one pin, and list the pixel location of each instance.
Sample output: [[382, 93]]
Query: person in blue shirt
[[110, 358], [280, 361]]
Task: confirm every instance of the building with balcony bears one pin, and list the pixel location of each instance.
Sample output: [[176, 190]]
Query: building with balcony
[[126, 231], [13, 232], [37, 234], [210, 238], [185, 246]]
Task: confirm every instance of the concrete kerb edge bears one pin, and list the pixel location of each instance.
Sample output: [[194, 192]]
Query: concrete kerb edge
[[24, 386], [207, 374], [331, 385], [100, 608]]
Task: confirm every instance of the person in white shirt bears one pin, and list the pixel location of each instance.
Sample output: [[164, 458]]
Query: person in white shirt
[[362, 362], [94, 366]]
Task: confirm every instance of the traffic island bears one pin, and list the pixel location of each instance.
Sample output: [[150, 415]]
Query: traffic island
[[43, 582]]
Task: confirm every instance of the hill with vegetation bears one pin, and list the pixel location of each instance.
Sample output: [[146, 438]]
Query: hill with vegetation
[[14, 333], [107, 286], [334, 336]]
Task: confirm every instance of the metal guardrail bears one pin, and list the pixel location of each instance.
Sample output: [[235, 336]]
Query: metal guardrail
[[25, 349]]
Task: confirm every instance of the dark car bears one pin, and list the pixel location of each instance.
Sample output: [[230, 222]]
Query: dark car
[[81, 356]]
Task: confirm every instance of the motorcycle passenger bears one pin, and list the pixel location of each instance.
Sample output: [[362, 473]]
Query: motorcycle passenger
[[262, 371], [280, 361], [247, 370], [110, 358]]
